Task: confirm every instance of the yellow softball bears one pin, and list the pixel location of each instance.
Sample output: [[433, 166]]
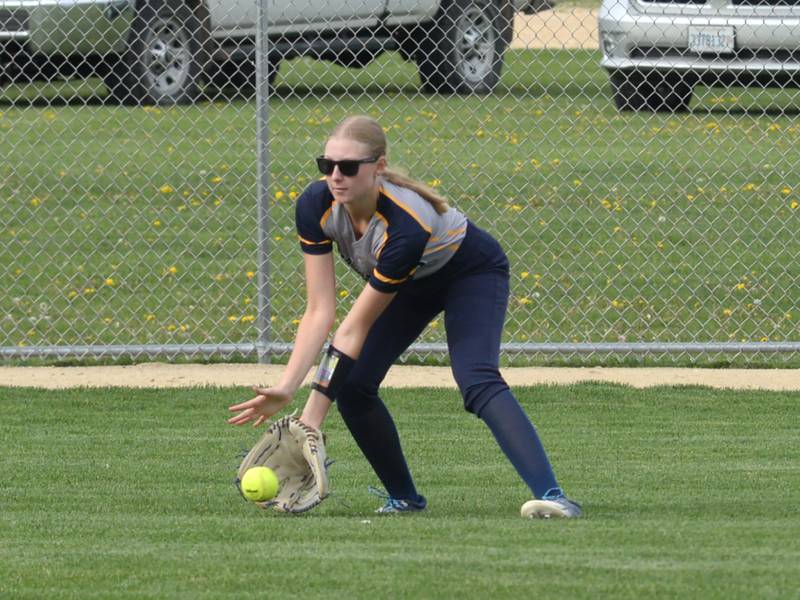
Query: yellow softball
[[260, 484]]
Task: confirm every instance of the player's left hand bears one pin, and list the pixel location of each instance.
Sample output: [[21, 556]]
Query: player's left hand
[[268, 402]]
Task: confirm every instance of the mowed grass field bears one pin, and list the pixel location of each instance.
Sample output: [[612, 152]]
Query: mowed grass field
[[138, 225], [688, 493]]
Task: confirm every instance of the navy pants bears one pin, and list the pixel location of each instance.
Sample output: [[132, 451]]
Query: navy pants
[[472, 290]]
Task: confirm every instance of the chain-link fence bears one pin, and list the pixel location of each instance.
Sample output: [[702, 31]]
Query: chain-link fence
[[637, 160]]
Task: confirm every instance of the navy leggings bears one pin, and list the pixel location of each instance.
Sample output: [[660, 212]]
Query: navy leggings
[[472, 290]]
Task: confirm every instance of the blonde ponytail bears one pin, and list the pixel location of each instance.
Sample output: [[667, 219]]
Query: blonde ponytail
[[368, 131], [438, 202]]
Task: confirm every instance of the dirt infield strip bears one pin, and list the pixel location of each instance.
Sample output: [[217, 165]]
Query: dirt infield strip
[[160, 375]]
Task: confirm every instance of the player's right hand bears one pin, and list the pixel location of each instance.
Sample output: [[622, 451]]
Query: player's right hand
[[268, 401]]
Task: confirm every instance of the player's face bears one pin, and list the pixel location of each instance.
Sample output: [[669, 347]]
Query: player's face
[[352, 188]]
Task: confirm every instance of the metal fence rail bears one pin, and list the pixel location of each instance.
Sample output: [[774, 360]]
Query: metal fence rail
[[636, 159]]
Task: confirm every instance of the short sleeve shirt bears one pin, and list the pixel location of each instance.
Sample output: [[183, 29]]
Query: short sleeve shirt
[[406, 238]]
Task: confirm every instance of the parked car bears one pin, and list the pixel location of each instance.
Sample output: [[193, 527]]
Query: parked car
[[656, 52], [159, 51]]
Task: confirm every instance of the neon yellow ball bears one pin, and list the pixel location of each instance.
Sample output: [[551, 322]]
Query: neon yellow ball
[[260, 484]]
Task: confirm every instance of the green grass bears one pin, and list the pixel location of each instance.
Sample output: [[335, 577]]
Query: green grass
[[633, 227], [688, 492]]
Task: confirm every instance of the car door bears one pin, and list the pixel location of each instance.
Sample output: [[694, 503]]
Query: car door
[[294, 15]]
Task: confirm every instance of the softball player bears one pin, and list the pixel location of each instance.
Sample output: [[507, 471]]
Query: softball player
[[419, 258]]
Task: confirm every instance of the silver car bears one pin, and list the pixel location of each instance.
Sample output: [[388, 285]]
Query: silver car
[[656, 51]]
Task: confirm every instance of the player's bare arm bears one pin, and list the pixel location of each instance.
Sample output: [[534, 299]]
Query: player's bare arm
[[313, 330], [349, 339]]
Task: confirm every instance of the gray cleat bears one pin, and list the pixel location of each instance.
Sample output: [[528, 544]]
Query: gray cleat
[[562, 508]]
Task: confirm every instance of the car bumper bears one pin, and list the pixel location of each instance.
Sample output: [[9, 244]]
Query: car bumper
[[66, 27], [642, 37]]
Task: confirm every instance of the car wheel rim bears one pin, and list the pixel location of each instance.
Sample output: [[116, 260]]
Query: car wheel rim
[[167, 58], [475, 43]]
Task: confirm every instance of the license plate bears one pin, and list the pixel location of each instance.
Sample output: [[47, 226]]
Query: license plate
[[712, 40]]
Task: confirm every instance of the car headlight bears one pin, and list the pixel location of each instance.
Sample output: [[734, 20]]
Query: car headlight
[[611, 42]]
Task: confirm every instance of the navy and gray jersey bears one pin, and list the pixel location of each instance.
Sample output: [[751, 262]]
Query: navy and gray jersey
[[406, 238]]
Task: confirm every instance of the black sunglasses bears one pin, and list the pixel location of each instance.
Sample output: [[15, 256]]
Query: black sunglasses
[[348, 168]]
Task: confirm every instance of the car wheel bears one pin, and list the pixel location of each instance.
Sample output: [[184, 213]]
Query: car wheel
[[670, 93], [462, 51], [165, 56], [630, 90]]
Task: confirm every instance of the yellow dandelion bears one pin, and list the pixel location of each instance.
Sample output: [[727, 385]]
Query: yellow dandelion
[[157, 223], [184, 328], [216, 179], [480, 133], [110, 282], [749, 187], [35, 201], [233, 318], [171, 327], [786, 191], [166, 189], [171, 270], [516, 207], [764, 338], [741, 286], [219, 277], [149, 317], [344, 294], [72, 294], [727, 312], [295, 322], [89, 291], [794, 204], [293, 194], [248, 318], [524, 274], [250, 274]]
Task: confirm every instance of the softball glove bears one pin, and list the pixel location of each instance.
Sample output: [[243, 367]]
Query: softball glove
[[296, 453]]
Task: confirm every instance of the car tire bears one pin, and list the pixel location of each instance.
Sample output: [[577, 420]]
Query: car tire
[[462, 50], [165, 56], [630, 90], [669, 93], [658, 92]]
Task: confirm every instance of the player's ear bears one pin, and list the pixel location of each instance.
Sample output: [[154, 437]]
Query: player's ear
[[381, 165]]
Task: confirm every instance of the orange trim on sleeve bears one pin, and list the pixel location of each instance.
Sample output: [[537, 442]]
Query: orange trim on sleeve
[[414, 215], [385, 279], [310, 243], [385, 238]]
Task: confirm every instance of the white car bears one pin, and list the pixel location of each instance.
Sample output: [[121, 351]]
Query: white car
[[656, 51], [158, 51]]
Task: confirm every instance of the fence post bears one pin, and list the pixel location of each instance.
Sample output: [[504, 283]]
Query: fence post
[[262, 129]]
